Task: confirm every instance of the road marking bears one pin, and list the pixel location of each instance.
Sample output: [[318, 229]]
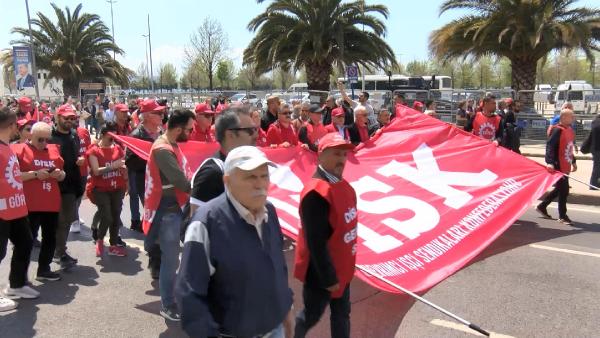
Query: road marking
[[573, 252], [463, 328]]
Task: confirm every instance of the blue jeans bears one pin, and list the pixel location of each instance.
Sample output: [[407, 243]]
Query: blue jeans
[[168, 238], [134, 204]]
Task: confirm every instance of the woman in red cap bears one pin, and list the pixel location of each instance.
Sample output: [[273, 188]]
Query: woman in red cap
[[24, 126], [203, 130], [108, 186]]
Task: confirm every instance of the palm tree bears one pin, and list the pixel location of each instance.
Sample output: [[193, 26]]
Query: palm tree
[[76, 48], [318, 35], [524, 31], [7, 68]]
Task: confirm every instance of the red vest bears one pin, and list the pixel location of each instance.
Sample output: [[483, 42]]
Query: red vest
[[153, 184], [277, 134], [12, 199], [112, 180], [343, 218], [261, 140], [565, 148], [315, 133], [84, 144], [486, 127], [40, 195]]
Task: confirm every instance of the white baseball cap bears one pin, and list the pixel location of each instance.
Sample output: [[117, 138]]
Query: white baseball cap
[[246, 158]]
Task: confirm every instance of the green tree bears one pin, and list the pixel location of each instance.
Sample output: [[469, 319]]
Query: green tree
[[208, 47], [225, 72], [247, 78], [77, 47], [283, 79], [318, 36], [167, 76], [417, 68], [523, 31]]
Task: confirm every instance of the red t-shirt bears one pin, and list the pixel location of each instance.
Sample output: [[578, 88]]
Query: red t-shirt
[[202, 136], [113, 180], [278, 134], [84, 143], [40, 195], [261, 140]]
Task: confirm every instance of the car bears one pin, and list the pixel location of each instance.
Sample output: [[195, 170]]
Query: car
[[250, 98]]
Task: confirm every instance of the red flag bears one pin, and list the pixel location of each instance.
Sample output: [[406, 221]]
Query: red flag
[[430, 196]]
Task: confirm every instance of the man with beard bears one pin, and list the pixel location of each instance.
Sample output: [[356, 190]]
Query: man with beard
[[487, 124], [326, 250], [246, 294], [71, 187], [167, 192]]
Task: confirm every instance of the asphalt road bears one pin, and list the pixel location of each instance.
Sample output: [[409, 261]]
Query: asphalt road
[[539, 279]]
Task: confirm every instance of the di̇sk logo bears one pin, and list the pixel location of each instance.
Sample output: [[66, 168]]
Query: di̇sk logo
[[569, 152], [427, 175], [487, 131], [13, 173]]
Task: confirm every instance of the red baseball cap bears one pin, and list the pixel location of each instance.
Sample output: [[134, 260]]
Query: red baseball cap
[[339, 111], [122, 107], [66, 110], [25, 103], [203, 108], [417, 105], [150, 105], [334, 140], [23, 122], [44, 106], [508, 101]]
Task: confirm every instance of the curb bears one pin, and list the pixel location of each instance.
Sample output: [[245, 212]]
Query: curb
[[577, 157]]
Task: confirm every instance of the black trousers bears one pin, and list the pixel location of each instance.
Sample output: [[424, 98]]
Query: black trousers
[[595, 179], [561, 190], [48, 222], [315, 301], [18, 232]]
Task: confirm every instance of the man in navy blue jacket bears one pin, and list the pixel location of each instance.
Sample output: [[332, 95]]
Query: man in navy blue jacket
[[233, 279]]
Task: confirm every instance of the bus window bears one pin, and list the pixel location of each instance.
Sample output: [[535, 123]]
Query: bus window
[[575, 95], [446, 83], [400, 82], [369, 85], [382, 85]]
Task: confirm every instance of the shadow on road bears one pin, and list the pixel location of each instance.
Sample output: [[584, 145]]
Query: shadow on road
[[173, 329], [128, 265]]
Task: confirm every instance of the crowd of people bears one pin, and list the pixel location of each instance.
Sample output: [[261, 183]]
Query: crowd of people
[[232, 280]]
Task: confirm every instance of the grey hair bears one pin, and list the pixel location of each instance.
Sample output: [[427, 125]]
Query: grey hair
[[284, 106], [40, 126], [229, 118]]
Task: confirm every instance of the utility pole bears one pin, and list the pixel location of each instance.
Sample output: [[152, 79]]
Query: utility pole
[[33, 67], [112, 20], [147, 65], [150, 44]]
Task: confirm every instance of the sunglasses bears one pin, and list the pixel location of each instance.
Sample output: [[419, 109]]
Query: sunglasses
[[250, 130], [43, 140], [286, 114]]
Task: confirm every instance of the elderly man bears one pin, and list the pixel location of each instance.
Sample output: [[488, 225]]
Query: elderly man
[[359, 130], [270, 115], [337, 123], [326, 250], [383, 119], [41, 170], [242, 292], [311, 132], [559, 156], [282, 132]]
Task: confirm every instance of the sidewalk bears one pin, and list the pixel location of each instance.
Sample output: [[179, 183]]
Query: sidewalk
[[579, 193]]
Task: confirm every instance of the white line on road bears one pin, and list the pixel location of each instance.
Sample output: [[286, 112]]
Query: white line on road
[[573, 252], [463, 328]]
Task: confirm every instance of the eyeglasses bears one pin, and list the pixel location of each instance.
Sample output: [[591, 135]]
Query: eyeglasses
[[43, 140], [286, 113], [250, 130]]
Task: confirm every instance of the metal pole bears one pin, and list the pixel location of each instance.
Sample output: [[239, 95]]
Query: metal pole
[[150, 44], [582, 182], [112, 20], [425, 301], [147, 66], [33, 66]]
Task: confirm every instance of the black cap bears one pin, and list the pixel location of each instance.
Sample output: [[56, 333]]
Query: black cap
[[315, 108]]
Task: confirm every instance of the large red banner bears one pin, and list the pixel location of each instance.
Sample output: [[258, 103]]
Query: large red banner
[[430, 196]]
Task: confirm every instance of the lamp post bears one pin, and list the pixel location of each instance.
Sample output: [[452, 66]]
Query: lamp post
[[33, 66], [150, 44], [147, 66], [112, 21]]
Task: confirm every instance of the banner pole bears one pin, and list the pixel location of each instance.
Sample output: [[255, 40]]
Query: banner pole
[[582, 182], [425, 301]]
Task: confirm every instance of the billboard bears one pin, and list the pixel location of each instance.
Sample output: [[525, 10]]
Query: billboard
[[22, 63]]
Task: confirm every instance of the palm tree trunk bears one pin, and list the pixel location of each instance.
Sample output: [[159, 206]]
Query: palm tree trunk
[[317, 76], [523, 75]]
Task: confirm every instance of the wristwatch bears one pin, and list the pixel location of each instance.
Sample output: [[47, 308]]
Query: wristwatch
[[35, 174]]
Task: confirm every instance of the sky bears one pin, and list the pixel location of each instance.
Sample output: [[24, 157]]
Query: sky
[[173, 21]]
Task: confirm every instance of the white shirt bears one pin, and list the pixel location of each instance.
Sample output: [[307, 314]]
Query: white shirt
[[109, 116], [248, 216]]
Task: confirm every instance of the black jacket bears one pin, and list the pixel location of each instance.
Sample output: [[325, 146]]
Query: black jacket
[[594, 137], [69, 150], [267, 120], [132, 161]]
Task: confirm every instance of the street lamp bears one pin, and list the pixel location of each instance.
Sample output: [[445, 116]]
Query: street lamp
[[147, 66], [112, 20], [150, 44]]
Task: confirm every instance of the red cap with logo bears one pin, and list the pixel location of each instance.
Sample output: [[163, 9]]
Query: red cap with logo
[[150, 105], [122, 107], [66, 110], [203, 108], [334, 140], [339, 111], [25, 103], [23, 122]]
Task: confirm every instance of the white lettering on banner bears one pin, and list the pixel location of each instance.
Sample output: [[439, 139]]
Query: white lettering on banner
[[44, 163], [428, 176], [443, 243], [16, 201], [284, 178], [376, 242], [46, 186]]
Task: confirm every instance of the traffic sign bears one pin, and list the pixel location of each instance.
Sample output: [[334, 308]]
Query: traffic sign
[[352, 73]]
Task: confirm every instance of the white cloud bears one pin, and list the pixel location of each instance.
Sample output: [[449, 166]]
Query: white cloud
[[169, 54]]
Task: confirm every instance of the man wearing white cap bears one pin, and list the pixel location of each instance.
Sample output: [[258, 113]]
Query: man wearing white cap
[[233, 277]]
